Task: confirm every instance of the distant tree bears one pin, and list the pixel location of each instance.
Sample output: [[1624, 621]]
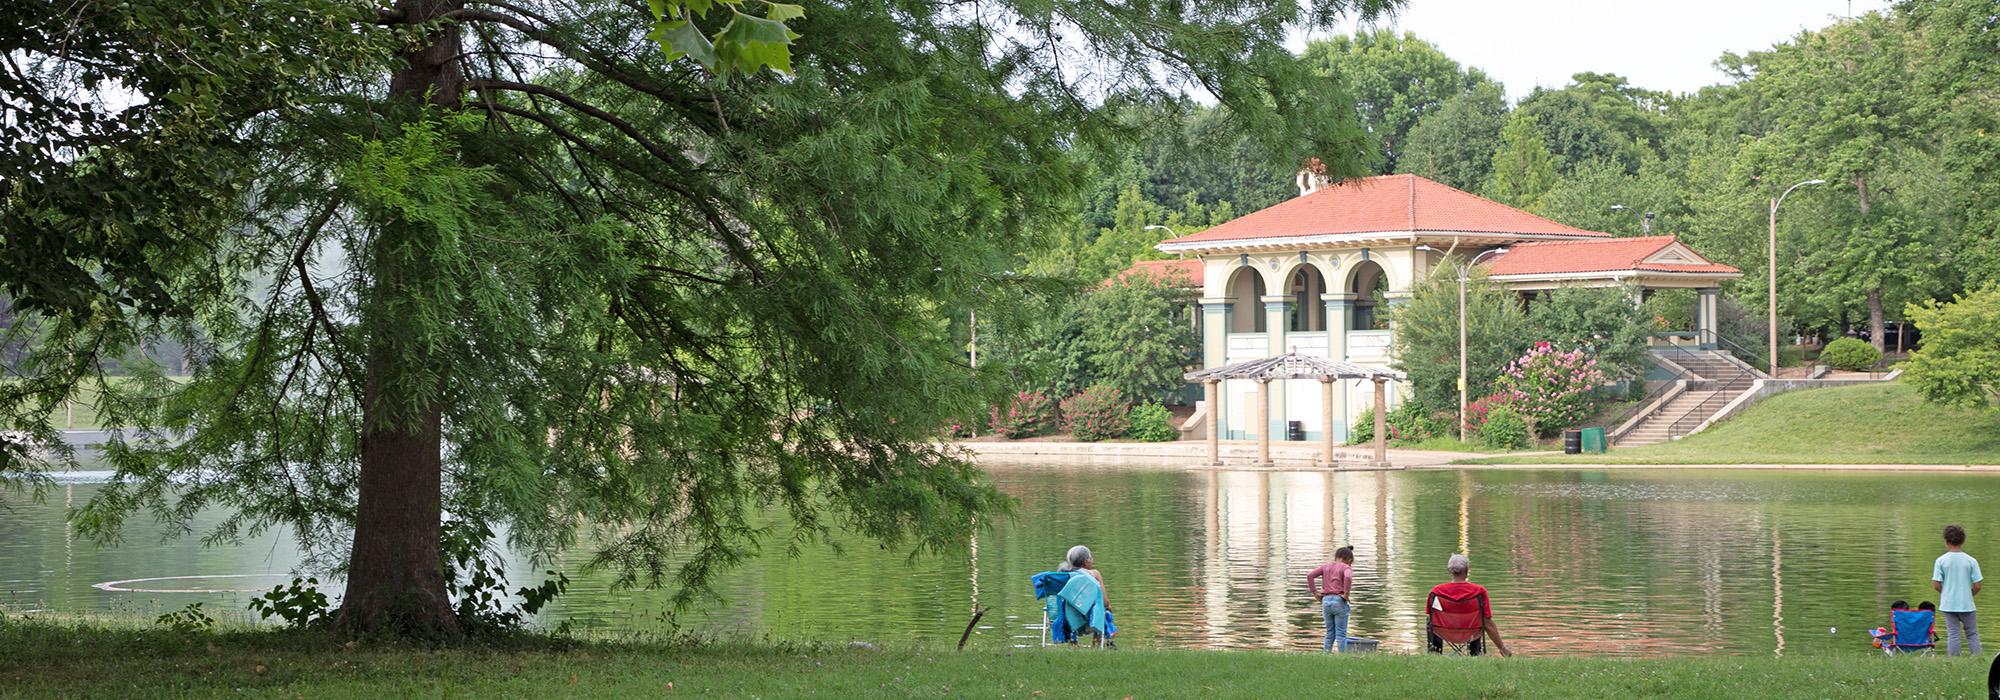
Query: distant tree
[[1136, 337], [1523, 169], [1602, 321], [1571, 127], [1959, 363], [1425, 346], [1586, 197], [1395, 80], [1455, 143]]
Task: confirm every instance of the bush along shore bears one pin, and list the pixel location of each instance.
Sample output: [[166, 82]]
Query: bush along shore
[[44, 659]]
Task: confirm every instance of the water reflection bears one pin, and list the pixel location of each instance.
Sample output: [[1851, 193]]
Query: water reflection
[[1614, 563]]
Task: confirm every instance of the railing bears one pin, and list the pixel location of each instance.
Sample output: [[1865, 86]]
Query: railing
[[1699, 413], [1652, 397]]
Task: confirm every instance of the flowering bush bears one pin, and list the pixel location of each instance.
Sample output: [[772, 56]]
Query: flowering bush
[[1097, 413], [955, 430], [1476, 412], [1552, 389], [1029, 413], [1152, 422]]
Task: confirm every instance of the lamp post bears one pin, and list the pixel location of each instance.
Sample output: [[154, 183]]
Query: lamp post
[[1771, 270], [1464, 276]]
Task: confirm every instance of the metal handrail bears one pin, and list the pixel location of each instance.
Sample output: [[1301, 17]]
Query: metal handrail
[[1650, 398], [1679, 427]]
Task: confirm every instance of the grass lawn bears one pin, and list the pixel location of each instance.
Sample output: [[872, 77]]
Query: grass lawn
[[1883, 423], [44, 660]]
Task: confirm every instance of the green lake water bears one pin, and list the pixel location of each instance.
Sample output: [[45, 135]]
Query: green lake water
[[1625, 562]]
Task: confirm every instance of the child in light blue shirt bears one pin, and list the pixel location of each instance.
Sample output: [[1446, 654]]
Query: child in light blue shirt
[[1956, 578]]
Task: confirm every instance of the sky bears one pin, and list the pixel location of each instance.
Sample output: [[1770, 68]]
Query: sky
[[1656, 44]]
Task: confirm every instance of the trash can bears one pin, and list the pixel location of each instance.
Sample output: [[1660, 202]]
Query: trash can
[[1295, 431], [1572, 442], [1593, 440]]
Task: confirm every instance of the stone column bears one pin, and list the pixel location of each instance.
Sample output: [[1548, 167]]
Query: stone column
[[1212, 393], [1215, 318], [1263, 411], [1275, 326], [1381, 422], [1339, 315], [1707, 304]]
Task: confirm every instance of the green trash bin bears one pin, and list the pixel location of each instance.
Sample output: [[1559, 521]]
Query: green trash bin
[[1593, 441]]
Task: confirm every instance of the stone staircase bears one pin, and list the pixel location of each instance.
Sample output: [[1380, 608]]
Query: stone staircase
[[1713, 380]]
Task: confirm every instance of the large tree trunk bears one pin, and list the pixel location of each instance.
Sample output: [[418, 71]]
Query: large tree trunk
[[1875, 325], [395, 575]]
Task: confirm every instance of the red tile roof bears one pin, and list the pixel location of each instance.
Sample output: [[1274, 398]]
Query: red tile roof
[[1183, 273], [1385, 203], [1613, 255]]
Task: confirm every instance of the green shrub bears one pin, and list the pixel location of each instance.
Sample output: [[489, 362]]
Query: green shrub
[[1850, 354], [1029, 413], [1097, 413], [1152, 422], [1791, 356], [1409, 422], [1504, 429]]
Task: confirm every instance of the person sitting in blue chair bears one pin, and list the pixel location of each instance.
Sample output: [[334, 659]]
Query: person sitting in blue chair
[[1075, 601]]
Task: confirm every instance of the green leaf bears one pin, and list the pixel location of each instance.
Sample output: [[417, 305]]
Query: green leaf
[[749, 43], [781, 12], [681, 38]]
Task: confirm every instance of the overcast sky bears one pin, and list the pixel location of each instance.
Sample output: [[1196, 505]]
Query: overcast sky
[[1657, 44]]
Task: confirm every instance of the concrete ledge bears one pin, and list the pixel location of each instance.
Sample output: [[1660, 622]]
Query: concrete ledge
[[1958, 468], [1235, 454]]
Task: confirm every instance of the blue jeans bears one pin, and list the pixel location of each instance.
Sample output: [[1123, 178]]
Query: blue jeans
[[1335, 609]]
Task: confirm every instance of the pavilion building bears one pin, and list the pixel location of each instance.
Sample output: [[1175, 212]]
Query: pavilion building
[[1313, 274]]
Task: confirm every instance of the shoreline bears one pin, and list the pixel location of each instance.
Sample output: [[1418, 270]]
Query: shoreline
[[1239, 455]]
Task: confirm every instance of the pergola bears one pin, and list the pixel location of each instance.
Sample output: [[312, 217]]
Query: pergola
[[1293, 365]]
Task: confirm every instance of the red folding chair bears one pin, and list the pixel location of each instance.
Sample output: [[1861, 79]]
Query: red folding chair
[[1455, 621]]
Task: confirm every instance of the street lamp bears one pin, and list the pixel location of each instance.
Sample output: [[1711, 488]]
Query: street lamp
[[1150, 227], [1645, 220], [1464, 276], [1771, 269]]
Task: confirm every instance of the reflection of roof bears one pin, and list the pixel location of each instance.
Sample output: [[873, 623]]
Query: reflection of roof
[[1385, 203], [1179, 273], [1643, 254]]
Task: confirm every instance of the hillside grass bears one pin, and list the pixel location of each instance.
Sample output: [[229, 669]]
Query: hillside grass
[[45, 660], [1886, 423]]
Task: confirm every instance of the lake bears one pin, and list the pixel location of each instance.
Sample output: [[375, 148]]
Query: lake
[[1621, 562]]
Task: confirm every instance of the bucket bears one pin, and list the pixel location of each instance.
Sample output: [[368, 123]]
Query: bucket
[[1362, 645]]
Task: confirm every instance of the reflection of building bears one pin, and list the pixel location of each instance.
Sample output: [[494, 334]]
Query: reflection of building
[[1315, 272], [1262, 532]]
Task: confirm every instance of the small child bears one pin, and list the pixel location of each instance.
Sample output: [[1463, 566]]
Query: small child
[[1881, 634], [1926, 605], [1336, 583], [1956, 577]]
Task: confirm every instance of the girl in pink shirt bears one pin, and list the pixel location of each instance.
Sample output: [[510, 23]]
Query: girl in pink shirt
[[1334, 584]]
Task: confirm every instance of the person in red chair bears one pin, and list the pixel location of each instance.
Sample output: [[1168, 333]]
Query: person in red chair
[[1459, 615]]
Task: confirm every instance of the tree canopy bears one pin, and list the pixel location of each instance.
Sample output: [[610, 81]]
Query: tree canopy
[[519, 264]]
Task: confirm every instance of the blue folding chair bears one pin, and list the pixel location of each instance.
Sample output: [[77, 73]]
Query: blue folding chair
[[1057, 611], [1910, 632]]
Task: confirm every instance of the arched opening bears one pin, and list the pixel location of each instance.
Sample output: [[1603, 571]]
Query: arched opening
[[1304, 286], [1368, 284], [1246, 306]]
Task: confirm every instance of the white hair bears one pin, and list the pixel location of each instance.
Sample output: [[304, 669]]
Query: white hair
[[1458, 564], [1078, 557]]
